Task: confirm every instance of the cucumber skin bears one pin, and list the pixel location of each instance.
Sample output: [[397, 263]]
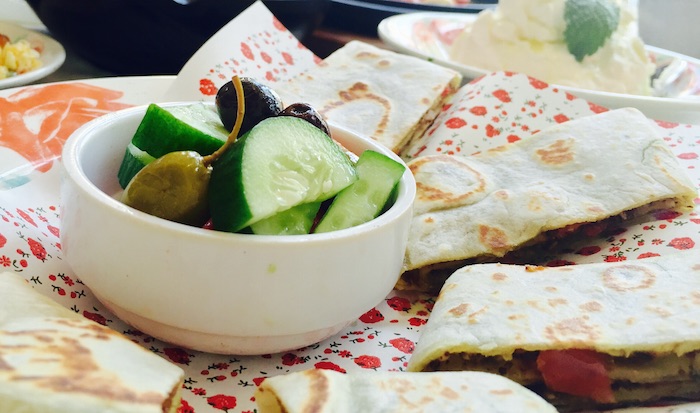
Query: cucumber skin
[[129, 167], [349, 197], [149, 138], [225, 182], [230, 212], [294, 221]]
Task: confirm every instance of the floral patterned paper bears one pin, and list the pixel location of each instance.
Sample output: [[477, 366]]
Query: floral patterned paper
[[497, 109]]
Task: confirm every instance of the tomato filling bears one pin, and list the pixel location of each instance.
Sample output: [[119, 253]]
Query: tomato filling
[[576, 372]]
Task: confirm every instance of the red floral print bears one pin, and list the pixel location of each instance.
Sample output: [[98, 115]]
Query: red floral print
[[222, 402], [455, 123], [502, 95], [538, 84], [667, 125], [247, 52], [478, 111], [399, 304], [682, 243], [37, 249], [26, 217], [372, 316], [178, 355], [96, 317], [288, 58], [415, 321], [327, 365], [53, 230], [185, 407], [647, 255], [561, 118], [207, 87], [368, 362], [290, 359], [402, 344]]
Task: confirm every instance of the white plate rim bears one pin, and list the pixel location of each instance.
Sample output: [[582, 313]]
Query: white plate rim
[[52, 56], [684, 110]]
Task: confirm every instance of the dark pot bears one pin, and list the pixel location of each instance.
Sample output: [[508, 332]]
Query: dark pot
[[136, 37]]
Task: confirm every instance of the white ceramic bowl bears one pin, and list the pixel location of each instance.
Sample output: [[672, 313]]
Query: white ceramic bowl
[[214, 291]]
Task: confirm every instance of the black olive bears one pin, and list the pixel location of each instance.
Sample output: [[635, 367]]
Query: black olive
[[308, 113], [261, 102]]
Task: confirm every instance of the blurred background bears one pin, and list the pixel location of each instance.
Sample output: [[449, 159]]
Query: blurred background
[[135, 37]]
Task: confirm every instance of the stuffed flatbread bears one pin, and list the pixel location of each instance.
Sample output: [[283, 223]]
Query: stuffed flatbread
[[387, 96], [54, 360], [327, 391], [582, 336], [576, 177]]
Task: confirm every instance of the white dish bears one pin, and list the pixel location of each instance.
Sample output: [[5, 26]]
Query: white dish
[[52, 56], [427, 35]]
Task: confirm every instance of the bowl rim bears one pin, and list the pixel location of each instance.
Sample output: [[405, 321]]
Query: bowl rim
[[71, 162]]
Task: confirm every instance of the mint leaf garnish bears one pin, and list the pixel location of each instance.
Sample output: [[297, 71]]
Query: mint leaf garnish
[[589, 23]]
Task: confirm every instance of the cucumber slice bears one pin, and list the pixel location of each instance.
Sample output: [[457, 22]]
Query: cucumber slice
[[194, 127], [281, 163], [294, 221], [365, 199]]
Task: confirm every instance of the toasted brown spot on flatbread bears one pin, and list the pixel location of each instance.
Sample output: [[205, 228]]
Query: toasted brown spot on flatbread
[[663, 312], [499, 276], [502, 194], [360, 91], [535, 204], [449, 394], [628, 278], [573, 329], [558, 153], [474, 317], [459, 310], [494, 238], [551, 289], [319, 382], [630, 321], [398, 386], [588, 177], [591, 306], [383, 63], [3, 364], [556, 301], [502, 392], [449, 185], [695, 296], [81, 373], [534, 268]]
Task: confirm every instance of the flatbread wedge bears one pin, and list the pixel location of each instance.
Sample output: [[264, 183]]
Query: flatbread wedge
[[387, 96], [327, 391], [54, 360], [574, 178], [584, 336]]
